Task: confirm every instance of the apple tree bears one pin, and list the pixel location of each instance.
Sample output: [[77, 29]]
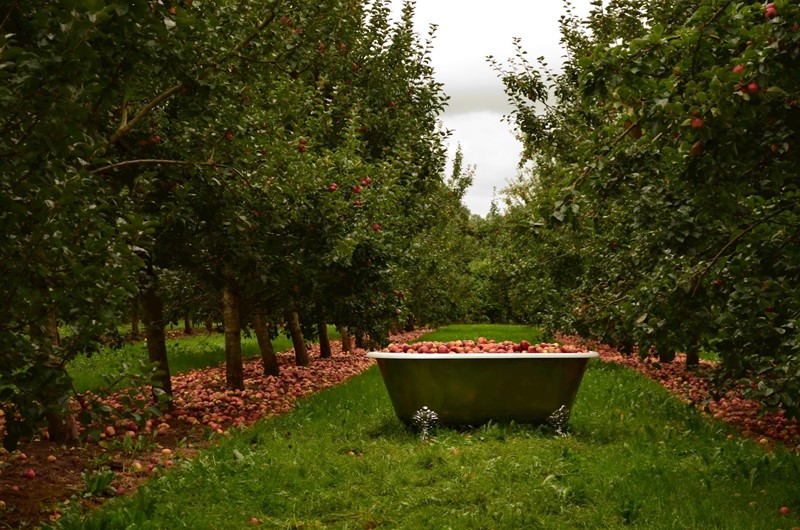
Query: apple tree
[[661, 202]]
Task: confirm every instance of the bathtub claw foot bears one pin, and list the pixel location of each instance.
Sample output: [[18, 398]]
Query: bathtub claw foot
[[558, 420], [424, 419]]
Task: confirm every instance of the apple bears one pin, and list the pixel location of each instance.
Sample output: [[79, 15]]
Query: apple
[[29, 473], [753, 87], [119, 491], [738, 69], [697, 122], [229, 135], [110, 431], [255, 520], [784, 510], [770, 11], [376, 227], [51, 458], [366, 181], [356, 189], [172, 11], [302, 145], [524, 344]]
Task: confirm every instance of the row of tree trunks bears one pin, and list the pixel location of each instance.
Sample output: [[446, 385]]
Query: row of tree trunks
[[152, 316]]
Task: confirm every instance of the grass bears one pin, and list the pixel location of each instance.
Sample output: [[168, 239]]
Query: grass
[[635, 457], [185, 354], [498, 332]]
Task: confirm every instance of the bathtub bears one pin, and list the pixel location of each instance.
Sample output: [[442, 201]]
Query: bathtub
[[465, 389]]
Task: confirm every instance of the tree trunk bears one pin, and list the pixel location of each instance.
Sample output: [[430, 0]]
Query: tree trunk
[[187, 325], [61, 425], [153, 320], [347, 342], [268, 356], [209, 326], [324, 341], [358, 335], [410, 323], [234, 370], [135, 320], [692, 357], [300, 351]]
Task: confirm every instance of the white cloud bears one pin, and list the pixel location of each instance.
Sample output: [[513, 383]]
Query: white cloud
[[467, 32]]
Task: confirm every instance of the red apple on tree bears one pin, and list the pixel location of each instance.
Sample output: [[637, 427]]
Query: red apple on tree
[[770, 11], [738, 69], [697, 122]]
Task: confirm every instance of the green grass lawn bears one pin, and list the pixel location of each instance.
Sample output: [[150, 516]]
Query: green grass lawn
[[635, 457]]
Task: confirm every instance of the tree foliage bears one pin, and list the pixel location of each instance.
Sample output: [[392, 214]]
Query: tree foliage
[[279, 150], [661, 208]]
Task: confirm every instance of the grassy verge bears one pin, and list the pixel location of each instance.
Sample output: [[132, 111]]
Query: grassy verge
[[185, 354], [635, 457]]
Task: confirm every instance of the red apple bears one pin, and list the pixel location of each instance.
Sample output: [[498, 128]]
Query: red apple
[[229, 135], [376, 227], [29, 473], [365, 181], [784, 510], [738, 69], [356, 189], [752, 87], [770, 10]]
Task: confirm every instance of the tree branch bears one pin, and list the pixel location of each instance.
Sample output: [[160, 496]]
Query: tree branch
[[127, 126], [152, 161]]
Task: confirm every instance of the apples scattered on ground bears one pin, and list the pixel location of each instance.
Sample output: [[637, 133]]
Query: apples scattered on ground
[[693, 386], [201, 399]]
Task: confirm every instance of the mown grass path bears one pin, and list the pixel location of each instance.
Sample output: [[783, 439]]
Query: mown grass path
[[635, 456]]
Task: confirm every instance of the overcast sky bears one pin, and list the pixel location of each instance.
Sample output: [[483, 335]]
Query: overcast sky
[[468, 31]]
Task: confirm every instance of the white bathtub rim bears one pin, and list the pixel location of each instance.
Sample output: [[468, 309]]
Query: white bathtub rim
[[465, 356]]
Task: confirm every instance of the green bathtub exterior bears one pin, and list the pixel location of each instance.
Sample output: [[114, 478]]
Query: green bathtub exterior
[[471, 389]]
